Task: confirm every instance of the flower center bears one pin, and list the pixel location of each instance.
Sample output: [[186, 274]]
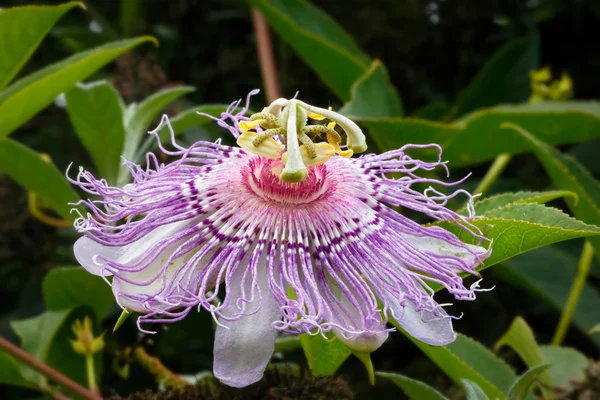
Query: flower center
[[261, 177]]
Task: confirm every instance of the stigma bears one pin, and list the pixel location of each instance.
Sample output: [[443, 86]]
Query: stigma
[[282, 131]]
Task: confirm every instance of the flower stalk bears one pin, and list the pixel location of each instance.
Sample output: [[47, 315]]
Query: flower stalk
[[583, 269], [493, 173]]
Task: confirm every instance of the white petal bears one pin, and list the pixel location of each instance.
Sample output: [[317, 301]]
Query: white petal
[[243, 349], [430, 329], [368, 341], [90, 255], [439, 246]]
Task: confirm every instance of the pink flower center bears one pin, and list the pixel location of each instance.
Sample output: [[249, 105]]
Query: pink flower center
[[261, 177]]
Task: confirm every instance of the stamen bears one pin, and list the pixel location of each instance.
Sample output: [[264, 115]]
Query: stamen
[[267, 134], [356, 138], [268, 121], [267, 147]]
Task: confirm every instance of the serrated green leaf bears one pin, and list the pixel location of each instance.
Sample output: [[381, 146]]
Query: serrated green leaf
[[518, 228], [138, 118], [467, 359], [287, 343], [96, 112], [373, 96], [319, 41], [68, 287], [501, 200], [519, 389], [414, 389], [568, 174], [473, 391], [21, 32], [521, 339], [565, 364], [478, 137], [548, 274], [324, 356], [27, 96], [504, 78], [38, 176], [10, 371]]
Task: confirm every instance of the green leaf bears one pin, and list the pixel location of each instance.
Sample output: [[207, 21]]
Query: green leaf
[[26, 97], [96, 112], [61, 355], [36, 336], [138, 118], [473, 391], [373, 96], [21, 32], [521, 339], [519, 389], [504, 199], [46, 337], [183, 121], [518, 228], [38, 176], [504, 78], [595, 329], [10, 371], [568, 174], [287, 343], [565, 364], [478, 137], [319, 40], [433, 112], [68, 287], [130, 12], [324, 356], [467, 359], [548, 274], [414, 389]]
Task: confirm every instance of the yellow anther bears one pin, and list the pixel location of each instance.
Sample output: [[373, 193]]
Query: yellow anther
[[245, 126], [268, 147], [324, 152], [316, 117]]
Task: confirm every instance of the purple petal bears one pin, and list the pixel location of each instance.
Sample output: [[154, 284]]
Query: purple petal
[[243, 349], [428, 328]]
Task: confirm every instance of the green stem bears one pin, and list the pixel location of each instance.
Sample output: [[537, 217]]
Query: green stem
[[583, 269], [493, 173], [365, 358], [91, 373]]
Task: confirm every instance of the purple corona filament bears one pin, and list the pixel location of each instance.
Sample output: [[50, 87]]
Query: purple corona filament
[[218, 229]]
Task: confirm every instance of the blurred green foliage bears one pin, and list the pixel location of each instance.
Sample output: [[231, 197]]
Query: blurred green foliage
[[460, 71]]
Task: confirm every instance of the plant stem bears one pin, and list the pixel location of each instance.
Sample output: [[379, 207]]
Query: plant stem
[[91, 373], [156, 368], [266, 59], [493, 173], [46, 370], [583, 268], [52, 392]]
